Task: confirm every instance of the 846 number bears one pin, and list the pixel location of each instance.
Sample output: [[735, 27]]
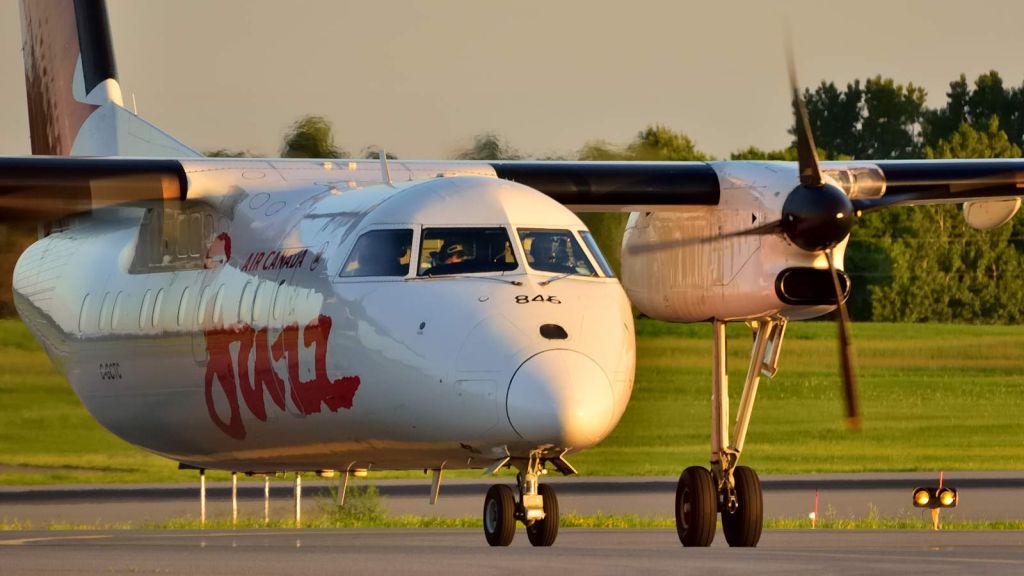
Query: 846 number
[[524, 299]]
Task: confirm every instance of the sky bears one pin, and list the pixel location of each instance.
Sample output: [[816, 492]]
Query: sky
[[421, 78]]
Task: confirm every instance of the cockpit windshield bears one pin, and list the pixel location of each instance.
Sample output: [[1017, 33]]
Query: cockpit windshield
[[380, 253], [465, 251], [555, 251]]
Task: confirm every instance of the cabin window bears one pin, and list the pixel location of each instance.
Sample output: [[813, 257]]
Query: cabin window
[[157, 305], [218, 305], [116, 313], [555, 251], [380, 253], [279, 297], [204, 302], [245, 303], [261, 302], [595, 251], [142, 311], [183, 307], [465, 251], [82, 313], [102, 322]]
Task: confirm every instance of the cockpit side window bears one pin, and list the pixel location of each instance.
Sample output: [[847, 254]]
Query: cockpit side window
[[555, 251], [595, 251], [465, 251], [380, 253]]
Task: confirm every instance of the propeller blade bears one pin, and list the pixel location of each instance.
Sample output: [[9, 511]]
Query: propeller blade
[[807, 152], [764, 229], [845, 351]]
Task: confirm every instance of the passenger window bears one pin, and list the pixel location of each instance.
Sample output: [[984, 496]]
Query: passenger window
[[465, 251], [102, 321], [142, 311], [245, 304], [380, 253], [183, 307], [555, 251], [279, 300], [218, 305], [157, 305], [261, 302], [204, 301], [116, 313], [82, 313]]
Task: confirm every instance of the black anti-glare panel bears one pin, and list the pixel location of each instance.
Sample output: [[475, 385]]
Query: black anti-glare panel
[[617, 184]]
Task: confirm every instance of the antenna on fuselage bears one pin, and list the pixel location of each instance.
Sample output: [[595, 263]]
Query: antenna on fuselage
[[385, 170]]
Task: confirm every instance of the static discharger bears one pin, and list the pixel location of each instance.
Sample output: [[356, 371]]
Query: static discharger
[[936, 498]]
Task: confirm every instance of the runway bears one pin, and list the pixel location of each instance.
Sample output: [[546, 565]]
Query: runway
[[464, 552], [983, 496]]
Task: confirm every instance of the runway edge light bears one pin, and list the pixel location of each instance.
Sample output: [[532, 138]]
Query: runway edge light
[[935, 497]]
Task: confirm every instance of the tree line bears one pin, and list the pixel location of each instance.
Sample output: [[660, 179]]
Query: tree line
[[909, 264]]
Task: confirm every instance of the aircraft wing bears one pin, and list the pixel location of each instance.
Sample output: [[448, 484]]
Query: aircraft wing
[[51, 187], [911, 182], [48, 187]]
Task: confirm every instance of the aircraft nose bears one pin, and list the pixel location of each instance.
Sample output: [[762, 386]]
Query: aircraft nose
[[560, 397]]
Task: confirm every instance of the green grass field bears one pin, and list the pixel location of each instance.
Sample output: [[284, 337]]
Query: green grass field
[[934, 397]]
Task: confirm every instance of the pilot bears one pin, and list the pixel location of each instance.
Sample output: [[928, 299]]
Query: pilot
[[545, 255], [453, 253]]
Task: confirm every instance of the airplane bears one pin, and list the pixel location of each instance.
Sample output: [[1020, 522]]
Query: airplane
[[272, 315]]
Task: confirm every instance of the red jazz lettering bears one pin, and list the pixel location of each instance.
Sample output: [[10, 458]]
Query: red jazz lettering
[[307, 396]]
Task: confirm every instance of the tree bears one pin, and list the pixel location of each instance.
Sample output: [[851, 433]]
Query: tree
[[311, 137], [226, 153], [944, 270], [372, 152], [755, 153], [892, 114], [658, 142], [488, 146], [836, 117]]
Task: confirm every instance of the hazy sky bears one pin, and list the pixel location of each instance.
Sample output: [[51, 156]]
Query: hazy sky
[[420, 78]]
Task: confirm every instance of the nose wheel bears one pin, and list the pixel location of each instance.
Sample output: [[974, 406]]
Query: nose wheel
[[536, 508], [499, 515]]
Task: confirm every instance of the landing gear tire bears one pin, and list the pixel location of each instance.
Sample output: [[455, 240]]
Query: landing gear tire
[[499, 515], [543, 532], [742, 526], [696, 507]]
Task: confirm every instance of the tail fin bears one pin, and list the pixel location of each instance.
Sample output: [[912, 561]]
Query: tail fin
[[74, 99]]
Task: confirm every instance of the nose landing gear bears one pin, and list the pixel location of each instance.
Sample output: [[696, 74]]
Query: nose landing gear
[[536, 508], [727, 489]]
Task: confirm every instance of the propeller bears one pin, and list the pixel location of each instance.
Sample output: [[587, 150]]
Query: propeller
[[816, 216]]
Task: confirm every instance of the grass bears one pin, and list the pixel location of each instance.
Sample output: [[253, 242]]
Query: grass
[[934, 397]]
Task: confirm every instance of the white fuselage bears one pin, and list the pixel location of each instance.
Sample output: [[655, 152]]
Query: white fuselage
[[220, 332]]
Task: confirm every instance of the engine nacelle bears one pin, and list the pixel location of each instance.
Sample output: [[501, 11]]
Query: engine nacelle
[[676, 266]]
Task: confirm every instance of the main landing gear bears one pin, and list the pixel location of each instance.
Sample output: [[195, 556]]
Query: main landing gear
[[728, 489], [536, 507]]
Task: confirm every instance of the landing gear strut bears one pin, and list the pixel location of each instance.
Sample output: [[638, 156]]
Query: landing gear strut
[[729, 489], [536, 507]]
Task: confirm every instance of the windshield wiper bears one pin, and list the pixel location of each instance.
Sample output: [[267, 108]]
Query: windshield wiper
[[556, 278], [495, 278], [566, 275]]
